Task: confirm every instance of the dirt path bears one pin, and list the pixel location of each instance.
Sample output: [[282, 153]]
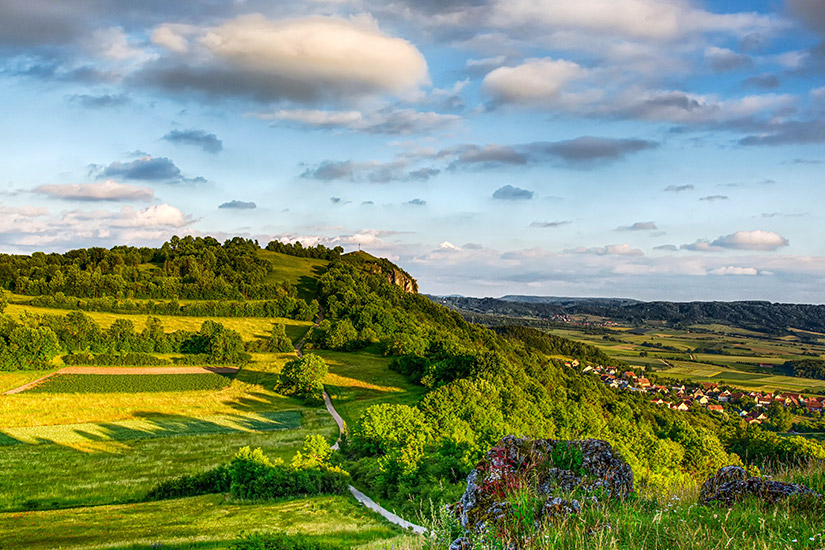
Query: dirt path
[[361, 497], [124, 371]]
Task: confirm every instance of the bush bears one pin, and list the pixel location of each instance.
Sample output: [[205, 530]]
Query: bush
[[110, 359], [216, 480], [255, 477]]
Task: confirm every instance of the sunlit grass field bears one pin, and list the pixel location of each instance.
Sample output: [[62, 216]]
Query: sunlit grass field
[[111, 470], [249, 327], [209, 521], [358, 380]]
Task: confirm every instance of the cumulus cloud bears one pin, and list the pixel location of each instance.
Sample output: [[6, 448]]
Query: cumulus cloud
[[100, 101], [648, 20], [510, 193], [417, 202], [714, 198], [757, 240], [733, 270], [392, 121], [723, 59], [752, 240], [638, 226], [764, 81], [199, 138], [553, 224], [238, 205], [108, 190], [423, 174], [609, 250], [584, 151], [307, 60], [534, 82], [679, 188], [146, 168], [370, 171], [588, 149]]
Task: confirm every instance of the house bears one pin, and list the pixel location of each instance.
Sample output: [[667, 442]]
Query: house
[[814, 405], [574, 363], [716, 408], [630, 375], [703, 400], [660, 389], [588, 368], [659, 401], [644, 383], [709, 386], [682, 406]]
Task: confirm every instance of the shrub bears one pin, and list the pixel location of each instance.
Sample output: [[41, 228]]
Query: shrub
[[255, 477], [216, 480]]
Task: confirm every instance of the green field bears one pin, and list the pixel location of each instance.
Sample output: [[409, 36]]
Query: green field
[[248, 327], [153, 426], [302, 272], [199, 522], [130, 383], [358, 380], [109, 470]]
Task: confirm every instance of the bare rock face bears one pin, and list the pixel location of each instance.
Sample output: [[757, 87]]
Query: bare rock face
[[554, 473], [732, 484], [398, 278]]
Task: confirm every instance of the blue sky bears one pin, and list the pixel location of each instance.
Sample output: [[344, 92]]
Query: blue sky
[[653, 149]]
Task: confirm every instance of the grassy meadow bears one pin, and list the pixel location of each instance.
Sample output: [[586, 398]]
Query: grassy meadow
[[249, 327], [359, 380], [203, 522]]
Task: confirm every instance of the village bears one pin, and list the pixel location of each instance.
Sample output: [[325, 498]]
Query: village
[[750, 406]]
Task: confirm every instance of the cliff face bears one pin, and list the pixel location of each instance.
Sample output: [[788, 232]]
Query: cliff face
[[394, 274], [398, 277]]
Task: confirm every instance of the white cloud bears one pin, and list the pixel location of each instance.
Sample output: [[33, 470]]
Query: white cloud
[[653, 20], [752, 240], [307, 59], [108, 190], [534, 81], [384, 121], [733, 270], [609, 250]]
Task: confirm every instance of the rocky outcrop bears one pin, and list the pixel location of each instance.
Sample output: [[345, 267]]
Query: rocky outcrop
[[559, 475], [399, 278], [732, 484]]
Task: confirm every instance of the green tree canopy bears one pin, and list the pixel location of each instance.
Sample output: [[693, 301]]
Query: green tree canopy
[[303, 378]]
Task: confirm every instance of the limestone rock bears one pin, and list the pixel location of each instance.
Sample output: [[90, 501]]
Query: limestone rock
[[551, 470], [731, 484]]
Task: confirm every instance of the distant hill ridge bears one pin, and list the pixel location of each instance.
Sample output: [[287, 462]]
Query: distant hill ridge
[[760, 316]]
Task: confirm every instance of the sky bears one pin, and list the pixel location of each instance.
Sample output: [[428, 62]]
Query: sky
[[648, 149]]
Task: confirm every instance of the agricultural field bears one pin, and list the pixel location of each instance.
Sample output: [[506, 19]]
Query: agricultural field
[[203, 522], [131, 383], [741, 358], [249, 327]]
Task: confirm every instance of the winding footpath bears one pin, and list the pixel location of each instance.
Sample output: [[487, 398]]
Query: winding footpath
[[359, 496]]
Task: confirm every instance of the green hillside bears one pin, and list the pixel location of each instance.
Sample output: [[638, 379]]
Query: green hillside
[[424, 395]]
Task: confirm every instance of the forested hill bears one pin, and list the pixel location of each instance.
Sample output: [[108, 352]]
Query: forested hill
[[753, 315], [477, 384]]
